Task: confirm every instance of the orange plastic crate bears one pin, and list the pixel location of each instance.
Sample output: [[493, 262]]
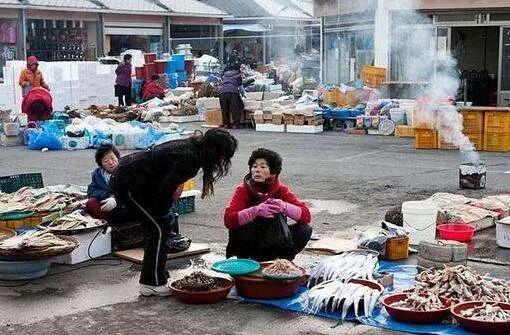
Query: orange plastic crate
[[476, 139], [373, 76], [497, 122], [425, 138], [499, 142], [473, 121], [425, 118], [397, 248], [404, 131]]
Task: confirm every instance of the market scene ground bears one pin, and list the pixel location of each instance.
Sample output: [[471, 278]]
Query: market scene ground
[[350, 182]]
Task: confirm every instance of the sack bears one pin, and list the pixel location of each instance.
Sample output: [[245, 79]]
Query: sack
[[49, 138], [275, 234]]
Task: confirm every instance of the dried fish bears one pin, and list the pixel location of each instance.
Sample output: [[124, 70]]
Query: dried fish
[[198, 281], [343, 267], [75, 220], [282, 267], [461, 284], [424, 302], [36, 241], [487, 312], [336, 295]]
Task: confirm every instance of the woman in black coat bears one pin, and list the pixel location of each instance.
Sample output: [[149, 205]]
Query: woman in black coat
[[149, 182]]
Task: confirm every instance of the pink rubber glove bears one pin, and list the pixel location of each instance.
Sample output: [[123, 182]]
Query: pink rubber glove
[[264, 210], [292, 211]]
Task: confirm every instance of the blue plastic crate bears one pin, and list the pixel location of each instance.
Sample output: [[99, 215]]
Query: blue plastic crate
[[179, 62], [181, 76], [184, 205]]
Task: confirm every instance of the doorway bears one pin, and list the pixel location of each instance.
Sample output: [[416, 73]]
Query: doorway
[[476, 50]]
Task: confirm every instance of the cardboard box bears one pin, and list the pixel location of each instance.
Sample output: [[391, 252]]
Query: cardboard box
[[258, 117], [267, 115], [252, 105], [213, 117], [211, 103], [314, 120], [299, 119], [277, 119], [288, 118]]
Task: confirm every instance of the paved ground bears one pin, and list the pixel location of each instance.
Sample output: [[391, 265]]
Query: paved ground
[[349, 180]]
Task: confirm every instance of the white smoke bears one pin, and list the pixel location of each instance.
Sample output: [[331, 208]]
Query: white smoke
[[418, 54]]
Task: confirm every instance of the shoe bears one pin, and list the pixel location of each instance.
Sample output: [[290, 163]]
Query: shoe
[[158, 291]]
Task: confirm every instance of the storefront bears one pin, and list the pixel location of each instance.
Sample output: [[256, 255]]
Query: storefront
[[123, 32], [8, 37]]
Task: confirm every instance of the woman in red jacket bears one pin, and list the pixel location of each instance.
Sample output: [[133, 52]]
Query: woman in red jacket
[[152, 89], [261, 198]]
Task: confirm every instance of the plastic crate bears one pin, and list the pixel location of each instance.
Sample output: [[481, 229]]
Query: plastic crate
[[397, 248], [476, 139], [497, 142], [404, 131], [472, 121], [497, 122], [189, 185], [373, 76], [444, 145], [425, 118], [425, 138], [184, 205], [10, 184]]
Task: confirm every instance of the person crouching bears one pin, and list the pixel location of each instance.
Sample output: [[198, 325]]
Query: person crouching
[[153, 90], [260, 199]]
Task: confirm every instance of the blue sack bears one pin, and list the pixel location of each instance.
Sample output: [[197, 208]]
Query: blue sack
[[38, 140]]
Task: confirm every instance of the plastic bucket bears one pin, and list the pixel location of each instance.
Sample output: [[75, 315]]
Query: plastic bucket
[[148, 70], [139, 72], [367, 121], [149, 57], [171, 67], [398, 116], [420, 220], [179, 62], [160, 66]]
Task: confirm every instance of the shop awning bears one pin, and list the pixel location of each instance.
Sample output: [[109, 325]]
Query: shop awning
[[253, 27]]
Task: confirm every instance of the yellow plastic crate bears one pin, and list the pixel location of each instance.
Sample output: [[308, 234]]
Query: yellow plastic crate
[[476, 139], [425, 138], [498, 142], [472, 121], [404, 131], [497, 122]]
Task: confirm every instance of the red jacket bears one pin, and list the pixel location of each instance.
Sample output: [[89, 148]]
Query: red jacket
[[152, 90], [37, 94], [245, 197]]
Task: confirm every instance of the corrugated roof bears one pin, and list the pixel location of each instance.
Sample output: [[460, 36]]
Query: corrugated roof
[[192, 7], [10, 2], [133, 6], [294, 13], [239, 8], [63, 3]]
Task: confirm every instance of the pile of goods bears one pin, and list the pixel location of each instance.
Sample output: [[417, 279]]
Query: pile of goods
[[36, 244], [75, 220], [461, 284], [198, 281], [487, 312], [282, 268], [334, 295], [348, 265], [117, 113], [422, 302], [39, 200]]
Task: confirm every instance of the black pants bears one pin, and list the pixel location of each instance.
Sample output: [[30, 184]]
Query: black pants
[[231, 106], [245, 242], [156, 230], [124, 95]]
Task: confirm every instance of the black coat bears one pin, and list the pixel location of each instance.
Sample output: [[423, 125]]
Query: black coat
[[151, 177]]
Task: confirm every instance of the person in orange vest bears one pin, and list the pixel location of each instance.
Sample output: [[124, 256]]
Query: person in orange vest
[[31, 77]]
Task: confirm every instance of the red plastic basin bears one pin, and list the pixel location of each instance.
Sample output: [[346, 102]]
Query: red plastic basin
[[481, 327], [203, 297], [420, 317], [461, 232]]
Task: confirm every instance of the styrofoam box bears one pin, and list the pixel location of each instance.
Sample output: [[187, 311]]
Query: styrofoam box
[[211, 103], [74, 143], [101, 245], [255, 95], [304, 129], [185, 118], [280, 128]]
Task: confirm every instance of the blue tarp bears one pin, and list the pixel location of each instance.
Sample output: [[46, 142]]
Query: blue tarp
[[403, 278]]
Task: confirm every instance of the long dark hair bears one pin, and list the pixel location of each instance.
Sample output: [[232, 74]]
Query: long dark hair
[[217, 148]]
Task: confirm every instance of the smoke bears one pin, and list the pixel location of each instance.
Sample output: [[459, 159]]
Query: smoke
[[417, 49]]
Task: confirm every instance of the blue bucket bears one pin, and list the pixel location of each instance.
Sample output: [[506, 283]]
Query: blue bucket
[[179, 62], [171, 67], [173, 82], [181, 76]]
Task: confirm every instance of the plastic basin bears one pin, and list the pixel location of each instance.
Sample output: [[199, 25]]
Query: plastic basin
[[481, 327], [461, 232], [203, 297], [406, 315], [24, 269]]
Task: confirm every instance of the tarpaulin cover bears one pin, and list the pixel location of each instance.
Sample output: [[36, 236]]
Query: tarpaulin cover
[[403, 278]]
